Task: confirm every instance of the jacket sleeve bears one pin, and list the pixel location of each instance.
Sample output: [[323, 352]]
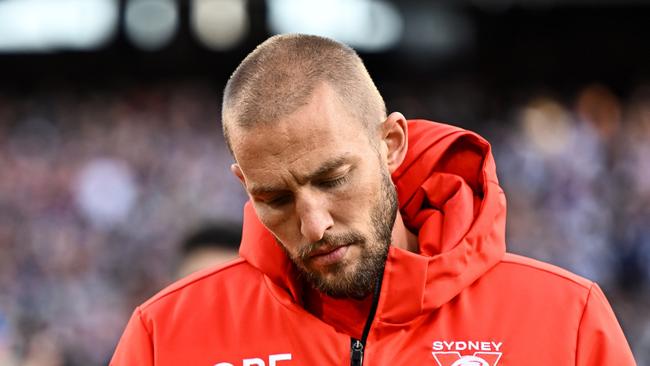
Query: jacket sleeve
[[600, 337], [135, 347]]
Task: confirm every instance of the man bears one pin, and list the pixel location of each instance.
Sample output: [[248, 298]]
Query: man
[[368, 239]]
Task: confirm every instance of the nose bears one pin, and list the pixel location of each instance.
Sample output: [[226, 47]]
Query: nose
[[314, 217]]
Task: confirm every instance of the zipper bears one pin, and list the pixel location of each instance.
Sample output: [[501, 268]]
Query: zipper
[[357, 346], [356, 355]]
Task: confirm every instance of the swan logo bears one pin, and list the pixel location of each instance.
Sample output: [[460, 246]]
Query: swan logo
[[470, 361], [459, 353]]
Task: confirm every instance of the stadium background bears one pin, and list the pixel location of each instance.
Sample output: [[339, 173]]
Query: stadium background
[[110, 145]]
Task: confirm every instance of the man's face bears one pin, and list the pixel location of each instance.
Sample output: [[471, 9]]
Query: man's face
[[320, 185]]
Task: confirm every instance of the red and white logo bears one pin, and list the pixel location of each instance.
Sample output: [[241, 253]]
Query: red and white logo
[[467, 353]]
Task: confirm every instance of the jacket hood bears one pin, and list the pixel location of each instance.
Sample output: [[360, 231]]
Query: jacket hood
[[449, 196]]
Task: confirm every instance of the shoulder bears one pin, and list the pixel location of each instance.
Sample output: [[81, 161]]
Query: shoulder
[[205, 286], [534, 293], [534, 282], [533, 270]]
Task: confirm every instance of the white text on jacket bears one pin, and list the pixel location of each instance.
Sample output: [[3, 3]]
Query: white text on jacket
[[466, 346], [273, 360]]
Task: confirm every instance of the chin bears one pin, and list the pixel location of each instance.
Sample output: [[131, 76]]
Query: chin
[[330, 274], [338, 278]]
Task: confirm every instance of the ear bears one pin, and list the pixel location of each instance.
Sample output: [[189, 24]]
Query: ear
[[236, 170], [395, 140]]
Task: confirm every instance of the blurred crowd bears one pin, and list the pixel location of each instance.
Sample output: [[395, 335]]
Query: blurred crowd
[[577, 178], [99, 185], [98, 189]]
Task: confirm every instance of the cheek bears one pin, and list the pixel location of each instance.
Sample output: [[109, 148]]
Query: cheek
[[353, 206], [268, 217], [279, 223]]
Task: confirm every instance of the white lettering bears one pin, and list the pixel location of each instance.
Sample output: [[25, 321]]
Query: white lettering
[[437, 346], [448, 345], [254, 361], [497, 345], [274, 359], [483, 346]]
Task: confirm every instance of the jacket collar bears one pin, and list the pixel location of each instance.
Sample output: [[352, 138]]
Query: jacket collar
[[449, 195]]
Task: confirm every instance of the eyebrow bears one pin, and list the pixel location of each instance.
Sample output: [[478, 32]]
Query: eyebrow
[[322, 170]]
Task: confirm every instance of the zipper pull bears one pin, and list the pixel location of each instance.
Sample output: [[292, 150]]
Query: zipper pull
[[356, 357]]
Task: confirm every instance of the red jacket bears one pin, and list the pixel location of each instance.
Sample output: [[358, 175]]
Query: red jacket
[[461, 301]]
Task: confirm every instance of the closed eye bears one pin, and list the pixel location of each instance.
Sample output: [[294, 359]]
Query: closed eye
[[334, 182], [277, 201]]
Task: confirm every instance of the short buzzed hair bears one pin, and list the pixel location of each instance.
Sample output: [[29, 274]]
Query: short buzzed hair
[[281, 74]]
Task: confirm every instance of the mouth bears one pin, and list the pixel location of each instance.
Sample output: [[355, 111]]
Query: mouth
[[330, 255], [325, 250]]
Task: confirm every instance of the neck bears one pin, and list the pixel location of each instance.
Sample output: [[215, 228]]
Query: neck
[[402, 237]]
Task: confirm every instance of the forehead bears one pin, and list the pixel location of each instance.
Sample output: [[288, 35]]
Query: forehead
[[312, 134]]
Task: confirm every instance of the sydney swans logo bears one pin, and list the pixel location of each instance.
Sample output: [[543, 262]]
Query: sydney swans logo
[[467, 353]]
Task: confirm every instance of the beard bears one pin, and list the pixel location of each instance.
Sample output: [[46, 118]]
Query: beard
[[354, 278]]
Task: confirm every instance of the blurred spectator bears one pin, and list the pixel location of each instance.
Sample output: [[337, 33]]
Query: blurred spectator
[[208, 246]]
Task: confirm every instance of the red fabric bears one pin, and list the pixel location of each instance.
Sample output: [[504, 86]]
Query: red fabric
[[461, 296]]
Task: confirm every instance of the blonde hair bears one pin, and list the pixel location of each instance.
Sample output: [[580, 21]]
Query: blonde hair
[[280, 75]]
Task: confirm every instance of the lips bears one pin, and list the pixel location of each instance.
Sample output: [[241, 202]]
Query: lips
[[328, 256], [325, 250]]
